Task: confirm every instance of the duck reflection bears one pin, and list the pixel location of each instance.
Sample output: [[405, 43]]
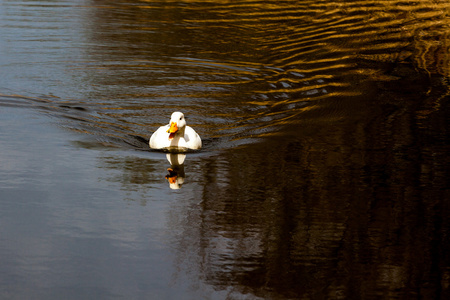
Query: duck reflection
[[176, 170]]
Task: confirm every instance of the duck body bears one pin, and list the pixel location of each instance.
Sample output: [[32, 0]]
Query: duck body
[[176, 136]]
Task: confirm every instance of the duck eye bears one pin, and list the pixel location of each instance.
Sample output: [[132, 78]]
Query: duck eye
[[181, 118]]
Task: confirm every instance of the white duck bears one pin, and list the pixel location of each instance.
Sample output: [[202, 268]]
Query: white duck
[[176, 135]]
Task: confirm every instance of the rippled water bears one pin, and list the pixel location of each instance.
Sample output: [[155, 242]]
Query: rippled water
[[325, 162]]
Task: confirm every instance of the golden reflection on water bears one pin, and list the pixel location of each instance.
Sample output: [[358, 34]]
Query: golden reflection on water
[[245, 70]]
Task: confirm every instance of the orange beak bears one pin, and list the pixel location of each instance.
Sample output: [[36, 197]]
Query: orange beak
[[172, 176], [172, 180], [172, 130]]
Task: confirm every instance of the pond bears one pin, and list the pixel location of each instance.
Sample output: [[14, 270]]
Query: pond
[[324, 168]]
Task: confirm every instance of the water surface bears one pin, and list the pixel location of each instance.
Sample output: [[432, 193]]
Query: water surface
[[325, 162]]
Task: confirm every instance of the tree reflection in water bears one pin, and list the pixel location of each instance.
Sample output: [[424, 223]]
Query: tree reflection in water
[[348, 208]]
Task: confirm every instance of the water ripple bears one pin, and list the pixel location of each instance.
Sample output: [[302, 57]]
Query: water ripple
[[239, 70]]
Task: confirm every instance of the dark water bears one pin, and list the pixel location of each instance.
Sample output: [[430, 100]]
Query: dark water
[[324, 172]]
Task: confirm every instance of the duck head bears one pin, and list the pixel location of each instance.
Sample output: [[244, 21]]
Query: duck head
[[177, 123]]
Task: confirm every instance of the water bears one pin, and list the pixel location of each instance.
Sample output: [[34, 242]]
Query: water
[[325, 162]]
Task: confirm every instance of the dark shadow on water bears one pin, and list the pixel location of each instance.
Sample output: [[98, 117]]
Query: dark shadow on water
[[348, 208]]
